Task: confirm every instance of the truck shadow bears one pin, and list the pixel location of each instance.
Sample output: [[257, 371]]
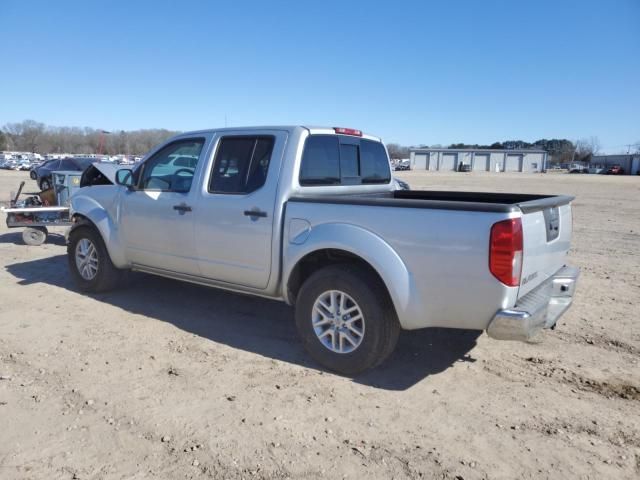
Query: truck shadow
[[256, 325]]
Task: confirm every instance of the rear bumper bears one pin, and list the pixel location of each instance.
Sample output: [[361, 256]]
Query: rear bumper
[[540, 308]]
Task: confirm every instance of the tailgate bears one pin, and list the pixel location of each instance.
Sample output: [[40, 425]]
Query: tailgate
[[546, 241]]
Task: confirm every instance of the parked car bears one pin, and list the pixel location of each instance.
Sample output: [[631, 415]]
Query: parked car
[[464, 167], [43, 173], [579, 170], [24, 165], [32, 171], [402, 166], [615, 170], [9, 164], [312, 217]]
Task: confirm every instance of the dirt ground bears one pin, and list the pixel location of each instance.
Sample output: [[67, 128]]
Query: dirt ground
[[169, 380]]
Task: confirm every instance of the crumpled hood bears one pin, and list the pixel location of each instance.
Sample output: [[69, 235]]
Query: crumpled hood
[[99, 173]]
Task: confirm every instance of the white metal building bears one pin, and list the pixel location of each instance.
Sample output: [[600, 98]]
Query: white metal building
[[479, 159], [630, 162]]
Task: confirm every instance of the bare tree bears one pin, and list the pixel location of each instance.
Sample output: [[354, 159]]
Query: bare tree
[[587, 148], [397, 151], [4, 141], [25, 135], [33, 136]]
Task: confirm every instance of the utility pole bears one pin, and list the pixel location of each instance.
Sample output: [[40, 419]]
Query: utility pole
[[101, 140]]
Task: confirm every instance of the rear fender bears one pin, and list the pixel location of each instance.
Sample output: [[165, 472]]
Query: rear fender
[[361, 243]]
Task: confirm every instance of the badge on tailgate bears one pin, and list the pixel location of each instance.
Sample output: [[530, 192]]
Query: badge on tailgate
[[552, 223]]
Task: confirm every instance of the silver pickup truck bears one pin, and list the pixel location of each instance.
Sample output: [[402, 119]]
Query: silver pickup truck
[[312, 217]]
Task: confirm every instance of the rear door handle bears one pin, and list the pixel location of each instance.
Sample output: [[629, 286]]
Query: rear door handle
[[255, 213], [182, 208]]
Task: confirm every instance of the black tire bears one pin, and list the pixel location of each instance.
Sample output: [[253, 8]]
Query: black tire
[[33, 175], [107, 277], [381, 327], [45, 184], [34, 236]]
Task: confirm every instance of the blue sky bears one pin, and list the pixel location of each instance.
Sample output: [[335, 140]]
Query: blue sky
[[432, 72]]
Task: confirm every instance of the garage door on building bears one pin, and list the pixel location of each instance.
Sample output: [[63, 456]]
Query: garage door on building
[[513, 163], [448, 161], [481, 162], [420, 162], [432, 162]]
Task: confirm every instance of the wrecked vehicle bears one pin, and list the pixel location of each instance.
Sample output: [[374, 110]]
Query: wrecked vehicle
[[312, 217]]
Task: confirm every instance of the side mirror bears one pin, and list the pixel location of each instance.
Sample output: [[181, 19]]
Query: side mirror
[[124, 177]]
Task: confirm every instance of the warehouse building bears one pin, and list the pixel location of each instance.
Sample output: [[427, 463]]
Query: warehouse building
[[630, 163], [478, 159]]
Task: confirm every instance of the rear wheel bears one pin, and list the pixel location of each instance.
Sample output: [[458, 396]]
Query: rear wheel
[[34, 235], [89, 262], [345, 319]]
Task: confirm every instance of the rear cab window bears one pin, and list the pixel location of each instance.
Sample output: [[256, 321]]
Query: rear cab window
[[343, 160]]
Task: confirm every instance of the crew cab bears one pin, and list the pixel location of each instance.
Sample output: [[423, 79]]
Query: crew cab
[[312, 217]]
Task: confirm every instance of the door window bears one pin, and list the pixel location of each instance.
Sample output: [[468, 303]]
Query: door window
[[241, 164], [173, 167]]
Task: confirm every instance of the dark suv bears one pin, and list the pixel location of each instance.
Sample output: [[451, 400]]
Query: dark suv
[[43, 173]]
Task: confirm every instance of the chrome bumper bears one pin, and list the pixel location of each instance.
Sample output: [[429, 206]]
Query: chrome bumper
[[538, 309]]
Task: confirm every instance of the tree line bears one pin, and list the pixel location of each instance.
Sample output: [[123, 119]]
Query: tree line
[[36, 137]]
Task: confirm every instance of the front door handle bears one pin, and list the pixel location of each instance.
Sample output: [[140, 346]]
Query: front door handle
[[255, 213], [182, 208]]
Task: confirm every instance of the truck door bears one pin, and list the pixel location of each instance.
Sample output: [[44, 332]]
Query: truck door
[[234, 220], [156, 217]]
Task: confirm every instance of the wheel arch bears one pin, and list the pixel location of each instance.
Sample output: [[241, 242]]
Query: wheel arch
[[88, 212], [332, 244]]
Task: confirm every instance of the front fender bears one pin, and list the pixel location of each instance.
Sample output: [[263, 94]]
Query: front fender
[[361, 243], [94, 211]]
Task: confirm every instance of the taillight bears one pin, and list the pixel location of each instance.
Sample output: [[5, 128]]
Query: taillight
[[505, 251], [348, 131]]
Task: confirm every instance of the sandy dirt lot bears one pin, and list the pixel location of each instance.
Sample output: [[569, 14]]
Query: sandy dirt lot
[[168, 380]]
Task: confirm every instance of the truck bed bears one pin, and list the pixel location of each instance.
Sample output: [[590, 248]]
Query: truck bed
[[445, 200], [443, 240]]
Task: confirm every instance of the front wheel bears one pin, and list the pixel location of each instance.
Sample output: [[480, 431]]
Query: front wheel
[[89, 261], [345, 319]]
